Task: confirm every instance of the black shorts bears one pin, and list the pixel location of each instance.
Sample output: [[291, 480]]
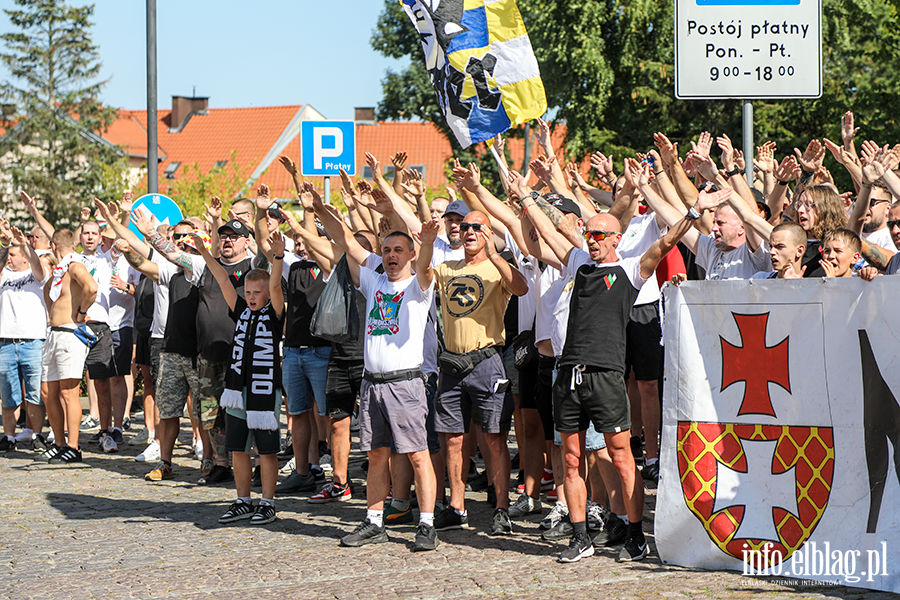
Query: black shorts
[[122, 349], [141, 349], [528, 384], [342, 387], [239, 438], [100, 360], [544, 394], [600, 398], [642, 336]]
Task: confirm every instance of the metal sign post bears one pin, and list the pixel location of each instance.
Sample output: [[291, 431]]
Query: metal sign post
[[748, 141]]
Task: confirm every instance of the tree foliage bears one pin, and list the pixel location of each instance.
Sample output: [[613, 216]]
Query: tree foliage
[[608, 69], [53, 114]]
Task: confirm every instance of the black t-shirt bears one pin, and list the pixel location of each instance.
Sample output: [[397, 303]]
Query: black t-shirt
[[181, 324], [353, 351], [598, 311], [305, 283], [214, 333], [277, 327], [811, 258]]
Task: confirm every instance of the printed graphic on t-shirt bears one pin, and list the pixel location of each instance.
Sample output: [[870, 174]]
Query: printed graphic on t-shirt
[[17, 285], [610, 280], [384, 318], [464, 294]]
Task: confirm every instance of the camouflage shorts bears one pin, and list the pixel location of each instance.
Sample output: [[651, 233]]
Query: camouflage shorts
[[212, 383], [177, 376]]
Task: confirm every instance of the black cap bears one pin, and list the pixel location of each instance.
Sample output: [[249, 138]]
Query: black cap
[[275, 212], [565, 205], [236, 226]]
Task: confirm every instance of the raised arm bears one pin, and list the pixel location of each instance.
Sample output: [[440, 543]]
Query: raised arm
[[671, 215], [662, 246], [217, 271], [136, 260], [512, 278], [400, 206], [276, 296], [34, 261], [260, 225], [424, 270], [559, 244], [32, 209], [122, 230], [341, 235], [876, 255], [161, 244]]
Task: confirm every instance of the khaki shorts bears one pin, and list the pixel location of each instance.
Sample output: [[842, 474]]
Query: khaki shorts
[[177, 376], [63, 356]]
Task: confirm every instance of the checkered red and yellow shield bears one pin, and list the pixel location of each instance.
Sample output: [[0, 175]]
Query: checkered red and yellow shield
[[701, 446]]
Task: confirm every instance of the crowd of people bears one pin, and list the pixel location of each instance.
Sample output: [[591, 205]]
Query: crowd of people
[[539, 311]]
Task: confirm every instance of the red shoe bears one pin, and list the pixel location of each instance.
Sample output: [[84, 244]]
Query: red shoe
[[552, 496], [332, 493], [547, 481]]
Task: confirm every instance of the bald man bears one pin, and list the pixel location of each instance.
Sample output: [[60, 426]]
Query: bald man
[[474, 294], [590, 386]]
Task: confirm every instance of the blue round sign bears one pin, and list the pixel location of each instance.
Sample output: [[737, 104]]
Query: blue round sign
[[163, 209]]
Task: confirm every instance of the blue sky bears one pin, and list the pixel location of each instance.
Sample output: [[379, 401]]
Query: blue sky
[[264, 53]]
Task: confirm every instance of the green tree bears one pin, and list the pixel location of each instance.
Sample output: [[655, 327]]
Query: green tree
[[608, 69], [53, 108]]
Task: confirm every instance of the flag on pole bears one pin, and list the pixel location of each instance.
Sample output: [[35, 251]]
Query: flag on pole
[[481, 63]]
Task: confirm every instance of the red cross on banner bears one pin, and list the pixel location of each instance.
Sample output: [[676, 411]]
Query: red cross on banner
[[755, 364]]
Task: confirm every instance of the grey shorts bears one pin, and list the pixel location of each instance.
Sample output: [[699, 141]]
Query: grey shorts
[[486, 391], [177, 376], [393, 413]]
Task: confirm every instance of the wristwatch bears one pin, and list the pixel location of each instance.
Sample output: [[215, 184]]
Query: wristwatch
[[732, 173], [692, 214]]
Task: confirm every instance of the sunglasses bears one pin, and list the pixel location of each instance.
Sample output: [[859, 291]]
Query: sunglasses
[[875, 201], [178, 236], [892, 224], [599, 235], [229, 236], [464, 227]]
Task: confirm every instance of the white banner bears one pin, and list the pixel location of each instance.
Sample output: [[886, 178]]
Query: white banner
[[780, 429]]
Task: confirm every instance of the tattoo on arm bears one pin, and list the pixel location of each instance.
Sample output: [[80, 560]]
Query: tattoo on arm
[[134, 259], [558, 219], [161, 244], [184, 260], [876, 255]]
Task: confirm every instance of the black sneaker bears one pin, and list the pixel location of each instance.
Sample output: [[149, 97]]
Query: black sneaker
[[117, 436], [256, 478], [561, 531], [67, 456], [89, 423], [98, 437], [448, 519], [500, 523], [318, 475], [579, 547], [637, 450], [651, 472], [479, 483], [7, 445], [614, 532], [265, 513], [634, 550], [51, 451], [426, 538], [238, 511], [218, 475], [39, 443], [365, 533]]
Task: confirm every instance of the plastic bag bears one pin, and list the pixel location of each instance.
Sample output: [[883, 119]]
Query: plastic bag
[[336, 317]]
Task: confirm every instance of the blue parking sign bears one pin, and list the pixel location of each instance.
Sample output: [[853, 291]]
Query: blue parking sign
[[163, 209], [326, 147]]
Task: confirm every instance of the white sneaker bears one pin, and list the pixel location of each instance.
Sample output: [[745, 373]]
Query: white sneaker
[[26, 435], [289, 466], [150, 453], [50, 437], [108, 444], [198, 449], [559, 512]]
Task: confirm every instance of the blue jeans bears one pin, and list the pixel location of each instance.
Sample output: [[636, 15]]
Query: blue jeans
[[304, 372], [20, 362], [592, 439]]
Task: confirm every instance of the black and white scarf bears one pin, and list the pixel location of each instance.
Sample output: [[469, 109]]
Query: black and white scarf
[[254, 357]]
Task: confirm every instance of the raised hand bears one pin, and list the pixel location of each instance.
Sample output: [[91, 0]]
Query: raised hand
[[85, 214], [541, 168], [667, 150], [811, 158], [117, 283], [127, 202], [142, 221], [823, 175], [399, 161], [786, 169], [499, 144], [214, 208], [365, 193], [788, 272], [289, 218], [288, 164], [487, 234], [848, 131], [382, 203], [414, 184], [28, 201], [838, 152], [573, 177], [603, 165], [346, 183], [765, 157], [102, 209], [18, 238], [739, 162], [518, 184], [636, 174], [429, 231], [276, 240], [703, 145], [374, 165], [468, 179], [306, 195], [711, 200], [262, 197], [543, 132], [347, 199], [6, 235], [725, 145], [451, 194]]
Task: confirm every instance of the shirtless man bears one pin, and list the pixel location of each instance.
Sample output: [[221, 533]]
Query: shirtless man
[[69, 293]]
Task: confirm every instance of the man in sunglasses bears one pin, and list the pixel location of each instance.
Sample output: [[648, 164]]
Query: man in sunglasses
[[474, 293], [590, 387]]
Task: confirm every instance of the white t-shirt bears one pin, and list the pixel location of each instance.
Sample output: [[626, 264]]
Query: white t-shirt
[[396, 320], [161, 295], [23, 314], [443, 252], [530, 270], [121, 304], [100, 266], [882, 238], [642, 232], [739, 263]]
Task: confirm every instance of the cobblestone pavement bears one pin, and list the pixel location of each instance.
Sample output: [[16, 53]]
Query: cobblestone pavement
[[101, 531]]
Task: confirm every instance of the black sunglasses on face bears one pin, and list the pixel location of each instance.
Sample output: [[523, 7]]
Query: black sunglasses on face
[[892, 224], [464, 227], [178, 236]]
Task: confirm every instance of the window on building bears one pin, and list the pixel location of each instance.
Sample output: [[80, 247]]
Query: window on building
[[220, 164], [170, 170]]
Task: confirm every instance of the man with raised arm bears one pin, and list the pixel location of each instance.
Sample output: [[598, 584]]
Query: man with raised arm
[[393, 404], [590, 386], [68, 295], [23, 326]]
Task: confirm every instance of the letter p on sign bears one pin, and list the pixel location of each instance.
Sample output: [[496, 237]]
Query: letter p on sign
[[326, 147]]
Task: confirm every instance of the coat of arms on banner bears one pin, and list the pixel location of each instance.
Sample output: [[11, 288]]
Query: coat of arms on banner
[[754, 477]]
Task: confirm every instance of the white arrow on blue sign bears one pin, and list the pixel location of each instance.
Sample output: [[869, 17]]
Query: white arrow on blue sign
[[327, 147]]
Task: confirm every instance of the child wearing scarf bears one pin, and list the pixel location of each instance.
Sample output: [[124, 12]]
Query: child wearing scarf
[[252, 398]]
